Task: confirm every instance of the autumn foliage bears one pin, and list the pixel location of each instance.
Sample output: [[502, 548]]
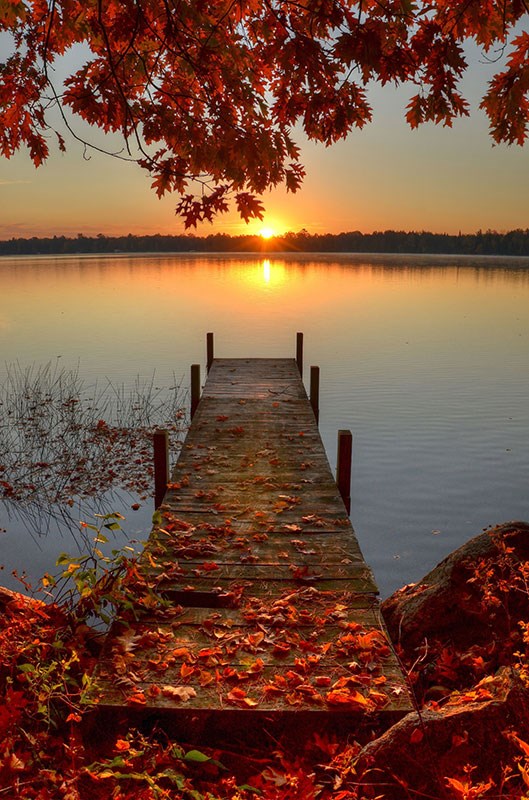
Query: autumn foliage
[[206, 95], [468, 739]]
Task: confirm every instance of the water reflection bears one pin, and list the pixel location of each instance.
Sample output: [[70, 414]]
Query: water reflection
[[424, 358]]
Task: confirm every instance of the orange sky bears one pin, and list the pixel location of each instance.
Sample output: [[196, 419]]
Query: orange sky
[[385, 176]]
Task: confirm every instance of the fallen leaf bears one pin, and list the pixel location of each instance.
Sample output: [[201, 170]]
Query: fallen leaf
[[183, 693]]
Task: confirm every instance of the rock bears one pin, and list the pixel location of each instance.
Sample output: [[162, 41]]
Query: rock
[[425, 750], [11, 601], [466, 611]]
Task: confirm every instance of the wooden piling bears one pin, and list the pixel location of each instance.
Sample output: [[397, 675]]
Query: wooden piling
[[161, 465], [195, 388], [299, 352], [210, 351], [344, 461], [315, 391]]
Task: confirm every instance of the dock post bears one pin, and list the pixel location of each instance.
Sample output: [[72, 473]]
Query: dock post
[[210, 350], [315, 391], [195, 388], [161, 465], [299, 352], [344, 461]]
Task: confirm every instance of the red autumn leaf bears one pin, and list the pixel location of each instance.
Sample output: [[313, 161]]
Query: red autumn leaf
[[122, 745], [417, 736], [348, 699], [238, 697], [137, 698]]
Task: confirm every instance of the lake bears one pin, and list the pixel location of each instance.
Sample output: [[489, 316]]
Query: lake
[[425, 359]]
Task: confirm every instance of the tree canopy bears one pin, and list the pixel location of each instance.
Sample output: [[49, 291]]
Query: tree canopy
[[207, 94]]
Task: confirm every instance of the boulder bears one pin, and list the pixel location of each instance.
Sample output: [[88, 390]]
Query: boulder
[[430, 752], [466, 612]]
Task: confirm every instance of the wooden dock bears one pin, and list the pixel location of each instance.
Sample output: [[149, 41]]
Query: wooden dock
[[269, 606]]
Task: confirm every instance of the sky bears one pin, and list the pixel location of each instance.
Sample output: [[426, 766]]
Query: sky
[[383, 177]]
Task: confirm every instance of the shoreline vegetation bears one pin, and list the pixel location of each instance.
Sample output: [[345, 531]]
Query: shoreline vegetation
[[511, 243], [68, 447]]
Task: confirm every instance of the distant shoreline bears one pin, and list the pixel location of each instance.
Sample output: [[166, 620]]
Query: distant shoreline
[[514, 243]]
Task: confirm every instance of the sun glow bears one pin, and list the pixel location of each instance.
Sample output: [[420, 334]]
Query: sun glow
[[267, 233]]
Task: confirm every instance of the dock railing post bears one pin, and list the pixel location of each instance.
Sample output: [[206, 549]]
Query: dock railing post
[[161, 465], [315, 391], [299, 352], [210, 350], [195, 388], [344, 461]]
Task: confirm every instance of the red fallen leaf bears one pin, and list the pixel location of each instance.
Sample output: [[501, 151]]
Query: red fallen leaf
[[322, 680], [293, 699], [205, 677], [186, 671], [293, 678], [222, 418], [254, 639], [73, 717], [122, 745], [206, 652], [416, 736], [209, 566], [281, 648], [238, 697], [181, 652], [273, 689], [347, 698], [176, 525], [137, 698]]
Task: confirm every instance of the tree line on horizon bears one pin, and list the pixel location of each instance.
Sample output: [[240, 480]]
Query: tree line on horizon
[[512, 243]]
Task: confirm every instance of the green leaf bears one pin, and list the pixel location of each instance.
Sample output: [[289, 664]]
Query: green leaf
[[175, 777], [247, 788], [197, 757], [27, 667], [157, 518], [112, 526]]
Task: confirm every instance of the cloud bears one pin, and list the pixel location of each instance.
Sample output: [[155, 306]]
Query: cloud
[[11, 183]]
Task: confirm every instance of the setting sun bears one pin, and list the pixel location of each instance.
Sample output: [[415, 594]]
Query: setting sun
[[267, 233]]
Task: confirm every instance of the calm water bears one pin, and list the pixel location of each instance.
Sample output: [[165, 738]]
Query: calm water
[[426, 360]]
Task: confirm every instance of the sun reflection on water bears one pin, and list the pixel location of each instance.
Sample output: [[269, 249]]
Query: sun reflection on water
[[269, 275]]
